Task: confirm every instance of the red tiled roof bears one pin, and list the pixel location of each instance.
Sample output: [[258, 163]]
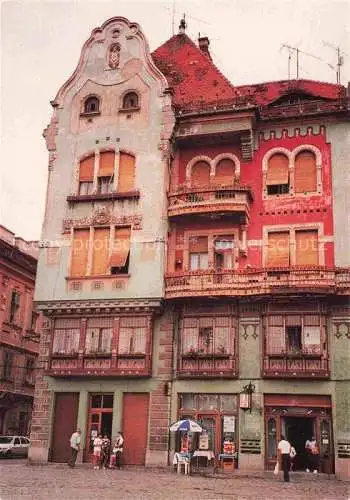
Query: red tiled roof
[[196, 80]]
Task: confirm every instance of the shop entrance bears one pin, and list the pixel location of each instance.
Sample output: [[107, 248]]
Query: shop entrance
[[99, 420], [298, 430]]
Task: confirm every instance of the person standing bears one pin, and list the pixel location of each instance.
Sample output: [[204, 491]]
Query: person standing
[[118, 449], [74, 447], [97, 451], [106, 451], [313, 455], [284, 449]]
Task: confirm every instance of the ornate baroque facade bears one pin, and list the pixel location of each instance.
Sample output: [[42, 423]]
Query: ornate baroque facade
[[193, 249]]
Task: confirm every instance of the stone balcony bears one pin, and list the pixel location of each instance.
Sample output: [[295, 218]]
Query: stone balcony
[[257, 282], [211, 199]]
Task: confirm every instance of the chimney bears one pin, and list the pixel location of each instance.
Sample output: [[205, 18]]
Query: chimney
[[203, 43]]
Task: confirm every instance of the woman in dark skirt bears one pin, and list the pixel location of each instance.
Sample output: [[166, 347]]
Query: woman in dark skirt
[[106, 451]]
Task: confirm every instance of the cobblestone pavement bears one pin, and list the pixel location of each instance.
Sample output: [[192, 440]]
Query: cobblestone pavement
[[56, 481]]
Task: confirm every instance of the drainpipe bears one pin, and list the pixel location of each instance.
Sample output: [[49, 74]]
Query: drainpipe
[[173, 373]]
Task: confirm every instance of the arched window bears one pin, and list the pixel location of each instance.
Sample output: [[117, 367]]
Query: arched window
[[225, 171], [200, 174], [305, 176], [130, 100], [277, 181], [92, 105]]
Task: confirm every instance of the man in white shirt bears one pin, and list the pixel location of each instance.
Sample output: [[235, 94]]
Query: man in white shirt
[[74, 447], [284, 449]]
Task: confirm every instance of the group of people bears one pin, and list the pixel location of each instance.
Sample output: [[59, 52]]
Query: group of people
[[287, 453], [104, 454]]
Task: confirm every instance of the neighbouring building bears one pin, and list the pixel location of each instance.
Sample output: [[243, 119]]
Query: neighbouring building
[[195, 257], [19, 327]]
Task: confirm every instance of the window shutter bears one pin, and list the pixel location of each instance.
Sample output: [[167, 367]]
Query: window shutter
[[91, 340], [200, 174], [278, 170], [189, 339], [225, 172], [106, 168], [86, 169], [312, 334], [306, 243], [276, 340], [278, 249], [106, 339], [198, 244], [80, 252], [124, 340], [126, 177], [305, 178], [100, 251], [121, 247], [140, 339]]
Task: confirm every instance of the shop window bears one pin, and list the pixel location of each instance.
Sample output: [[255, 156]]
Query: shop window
[[306, 248], [278, 249], [126, 174], [14, 306], [228, 402], [277, 180], [187, 402], [271, 438], [92, 105], [120, 256], [200, 174], [305, 172], [86, 175], [8, 365], [130, 100], [80, 252]]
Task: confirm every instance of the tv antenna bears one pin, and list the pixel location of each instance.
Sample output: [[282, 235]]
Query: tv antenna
[[298, 51], [340, 58], [291, 50]]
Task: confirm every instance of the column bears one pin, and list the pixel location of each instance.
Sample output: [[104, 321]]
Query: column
[[82, 420], [117, 413]]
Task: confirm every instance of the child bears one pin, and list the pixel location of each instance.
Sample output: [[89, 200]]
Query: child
[[97, 451], [106, 450], [117, 451]]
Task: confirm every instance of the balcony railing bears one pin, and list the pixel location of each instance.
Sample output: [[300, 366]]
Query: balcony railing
[[301, 365], [249, 282], [100, 364], [207, 365], [210, 199], [304, 108]]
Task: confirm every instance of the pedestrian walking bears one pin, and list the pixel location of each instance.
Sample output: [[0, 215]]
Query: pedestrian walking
[[106, 451], [284, 449], [74, 447], [117, 452], [313, 454], [293, 454], [97, 451]]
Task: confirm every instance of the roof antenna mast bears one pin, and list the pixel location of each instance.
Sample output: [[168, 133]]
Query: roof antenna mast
[[340, 58]]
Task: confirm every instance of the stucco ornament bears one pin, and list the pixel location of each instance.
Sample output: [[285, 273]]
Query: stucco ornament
[[114, 56]]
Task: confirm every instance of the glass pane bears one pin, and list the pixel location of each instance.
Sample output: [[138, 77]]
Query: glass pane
[[228, 435], [17, 441], [325, 437], [187, 401], [271, 438], [203, 261], [208, 425], [94, 418], [208, 402], [107, 401], [228, 402], [96, 401], [194, 261]]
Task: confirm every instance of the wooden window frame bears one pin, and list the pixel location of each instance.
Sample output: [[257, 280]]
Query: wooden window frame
[[212, 236], [292, 229]]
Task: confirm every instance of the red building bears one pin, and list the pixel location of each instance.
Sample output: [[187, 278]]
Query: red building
[[19, 326]]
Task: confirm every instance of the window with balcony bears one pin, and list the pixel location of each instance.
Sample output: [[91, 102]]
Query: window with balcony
[[86, 175], [105, 178], [305, 172], [200, 174], [66, 337], [126, 174], [278, 252], [306, 248], [225, 171], [98, 255], [206, 336], [198, 253], [295, 247], [7, 369], [99, 333], [277, 180], [29, 373], [15, 307], [223, 252], [133, 334]]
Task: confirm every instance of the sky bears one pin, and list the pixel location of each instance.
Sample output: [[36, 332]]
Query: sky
[[41, 44]]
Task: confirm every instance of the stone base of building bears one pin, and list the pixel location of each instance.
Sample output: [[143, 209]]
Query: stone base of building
[[156, 458], [342, 469], [251, 462], [38, 455]]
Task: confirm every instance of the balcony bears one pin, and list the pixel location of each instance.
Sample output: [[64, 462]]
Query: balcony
[[213, 365], [255, 282], [100, 365], [212, 199], [302, 365], [305, 108]]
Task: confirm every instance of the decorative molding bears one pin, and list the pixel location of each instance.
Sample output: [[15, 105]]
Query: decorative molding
[[103, 217], [343, 449], [114, 55], [251, 446], [65, 307], [341, 328]]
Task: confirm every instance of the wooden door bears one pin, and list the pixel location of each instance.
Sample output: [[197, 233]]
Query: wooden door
[[65, 423], [135, 427]]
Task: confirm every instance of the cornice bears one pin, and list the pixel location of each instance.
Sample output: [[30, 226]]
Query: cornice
[[104, 306]]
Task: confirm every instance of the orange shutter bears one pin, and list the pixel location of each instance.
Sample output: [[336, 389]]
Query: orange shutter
[[200, 174], [277, 171], [100, 251], [126, 178], [86, 169], [106, 168], [80, 252], [198, 244], [278, 249], [121, 247], [305, 173], [306, 243], [225, 171]]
